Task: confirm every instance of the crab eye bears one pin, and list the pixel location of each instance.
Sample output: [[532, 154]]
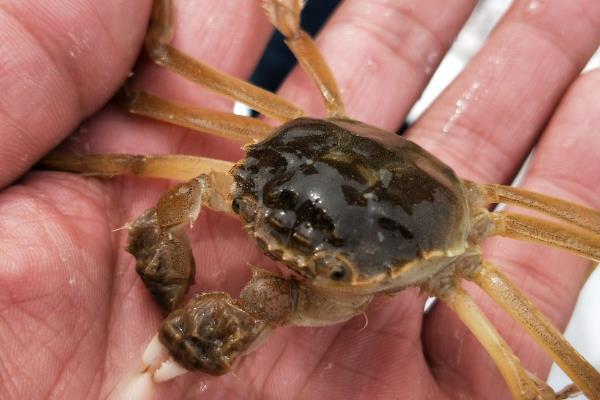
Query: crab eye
[[338, 273], [235, 205], [333, 268]]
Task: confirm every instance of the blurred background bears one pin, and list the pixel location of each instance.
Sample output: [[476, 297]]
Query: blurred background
[[277, 61]]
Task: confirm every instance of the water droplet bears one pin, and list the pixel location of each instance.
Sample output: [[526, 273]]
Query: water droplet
[[431, 61], [325, 369], [462, 104], [534, 5], [494, 60], [432, 57], [385, 176], [371, 65]]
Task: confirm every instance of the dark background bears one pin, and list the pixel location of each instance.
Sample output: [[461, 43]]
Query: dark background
[[277, 61]]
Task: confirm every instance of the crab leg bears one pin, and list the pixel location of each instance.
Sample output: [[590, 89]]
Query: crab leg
[[285, 16], [575, 214], [200, 119], [177, 167], [521, 384], [158, 37], [497, 286], [571, 238]]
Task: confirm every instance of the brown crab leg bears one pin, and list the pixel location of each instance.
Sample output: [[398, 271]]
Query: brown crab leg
[[200, 119], [520, 384], [177, 167], [167, 166], [497, 286], [571, 238], [158, 37], [285, 16], [575, 214]]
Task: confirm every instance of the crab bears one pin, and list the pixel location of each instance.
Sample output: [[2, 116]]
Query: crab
[[353, 211]]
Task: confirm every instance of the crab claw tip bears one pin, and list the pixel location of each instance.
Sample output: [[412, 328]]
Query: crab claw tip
[[157, 363], [154, 353], [168, 370]]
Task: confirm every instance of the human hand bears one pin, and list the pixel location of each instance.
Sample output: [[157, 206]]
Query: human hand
[[75, 317]]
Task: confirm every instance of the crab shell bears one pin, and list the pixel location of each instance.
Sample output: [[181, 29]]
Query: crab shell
[[351, 207]]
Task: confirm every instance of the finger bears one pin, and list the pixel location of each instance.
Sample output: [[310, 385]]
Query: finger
[[382, 55], [484, 124], [562, 166], [227, 35], [60, 61]]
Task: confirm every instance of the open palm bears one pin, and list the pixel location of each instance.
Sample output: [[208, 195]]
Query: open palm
[[74, 317]]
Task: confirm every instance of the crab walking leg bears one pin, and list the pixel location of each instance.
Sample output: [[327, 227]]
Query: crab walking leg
[[285, 16], [169, 166], [521, 385], [571, 238], [497, 286], [213, 330], [158, 37], [575, 214], [199, 119], [179, 167]]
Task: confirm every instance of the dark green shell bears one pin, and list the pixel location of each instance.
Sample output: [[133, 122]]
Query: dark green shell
[[351, 190]]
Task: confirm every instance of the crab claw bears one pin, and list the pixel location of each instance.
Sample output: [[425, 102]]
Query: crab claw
[[158, 364]]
